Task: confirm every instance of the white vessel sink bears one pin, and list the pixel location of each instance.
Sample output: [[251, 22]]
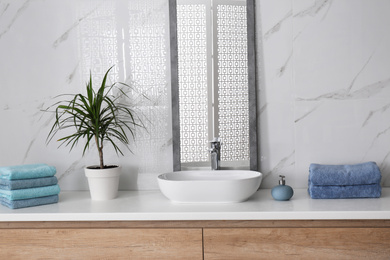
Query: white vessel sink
[[223, 186]]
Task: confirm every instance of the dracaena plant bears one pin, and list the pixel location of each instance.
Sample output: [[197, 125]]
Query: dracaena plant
[[99, 117]]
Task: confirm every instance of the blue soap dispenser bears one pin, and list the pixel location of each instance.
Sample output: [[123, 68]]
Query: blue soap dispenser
[[282, 191]]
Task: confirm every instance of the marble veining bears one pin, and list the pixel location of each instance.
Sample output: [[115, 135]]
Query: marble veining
[[4, 8], [65, 35], [361, 70], [14, 17], [283, 68], [42, 127], [75, 166], [315, 8], [379, 135], [311, 11], [71, 76], [364, 92], [307, 113], [277, 26], [262, 109], [373, 112], [283, 163]]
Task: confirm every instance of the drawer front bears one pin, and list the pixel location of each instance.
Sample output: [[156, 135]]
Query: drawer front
[[297, 243], [101, 244]]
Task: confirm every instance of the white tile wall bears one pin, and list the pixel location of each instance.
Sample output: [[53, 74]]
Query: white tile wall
[[324, 85], [47, 48]]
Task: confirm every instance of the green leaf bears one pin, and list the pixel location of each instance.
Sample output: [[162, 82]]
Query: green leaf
[[100, 115]]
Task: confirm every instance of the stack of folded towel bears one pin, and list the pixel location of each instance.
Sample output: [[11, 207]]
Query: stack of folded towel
[[28, 185], [344, 181]]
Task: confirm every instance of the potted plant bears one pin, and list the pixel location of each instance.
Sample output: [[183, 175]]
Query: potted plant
[[99, 117]]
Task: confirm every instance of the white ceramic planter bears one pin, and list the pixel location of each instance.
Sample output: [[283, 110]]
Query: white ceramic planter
[[103, 183]]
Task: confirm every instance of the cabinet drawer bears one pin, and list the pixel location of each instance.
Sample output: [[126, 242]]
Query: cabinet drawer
[[298, 243], [101, 244]]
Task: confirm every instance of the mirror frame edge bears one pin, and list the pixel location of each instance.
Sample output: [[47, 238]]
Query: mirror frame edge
[[174, 86], [252, 80]]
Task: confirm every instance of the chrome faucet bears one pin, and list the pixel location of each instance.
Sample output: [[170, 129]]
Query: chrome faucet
[[215, 153]]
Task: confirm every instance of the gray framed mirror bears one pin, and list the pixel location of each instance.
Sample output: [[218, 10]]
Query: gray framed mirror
[[213, 77]]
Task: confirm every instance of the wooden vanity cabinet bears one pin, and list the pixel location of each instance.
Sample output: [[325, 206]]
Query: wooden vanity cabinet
[[100, 243], [300, 239], [297, 243]]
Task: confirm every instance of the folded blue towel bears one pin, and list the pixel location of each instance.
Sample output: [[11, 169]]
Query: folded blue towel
[[30, 193], [17, 204], [357, 174], [27, 171], [345, 192], [27, 183]]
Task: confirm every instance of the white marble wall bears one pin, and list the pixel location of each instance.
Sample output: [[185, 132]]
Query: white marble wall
[[47, 48], [325, 77], [324, 85]]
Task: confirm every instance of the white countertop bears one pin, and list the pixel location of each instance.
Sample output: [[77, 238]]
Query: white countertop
[[152, 205]]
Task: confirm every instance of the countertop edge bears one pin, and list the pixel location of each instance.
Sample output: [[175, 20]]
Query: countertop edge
[[153, 206]]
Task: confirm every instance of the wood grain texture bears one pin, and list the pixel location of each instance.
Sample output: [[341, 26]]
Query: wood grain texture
[[196, 224], [297, 243], [295, 239], [101, 244]]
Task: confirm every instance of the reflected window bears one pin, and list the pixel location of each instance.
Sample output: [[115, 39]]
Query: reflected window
[[133, 36], [213, 79]]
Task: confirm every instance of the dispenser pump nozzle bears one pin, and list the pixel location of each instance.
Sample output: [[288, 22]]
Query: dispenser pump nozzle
[[282, 181]]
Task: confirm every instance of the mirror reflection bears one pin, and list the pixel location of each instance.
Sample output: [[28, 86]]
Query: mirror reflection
[[213, 87]]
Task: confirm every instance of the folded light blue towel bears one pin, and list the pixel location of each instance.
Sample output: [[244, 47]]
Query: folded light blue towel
[[30, 193], [345, 192], [27, 183], [17, 204], [357, 174], [27, 171]]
